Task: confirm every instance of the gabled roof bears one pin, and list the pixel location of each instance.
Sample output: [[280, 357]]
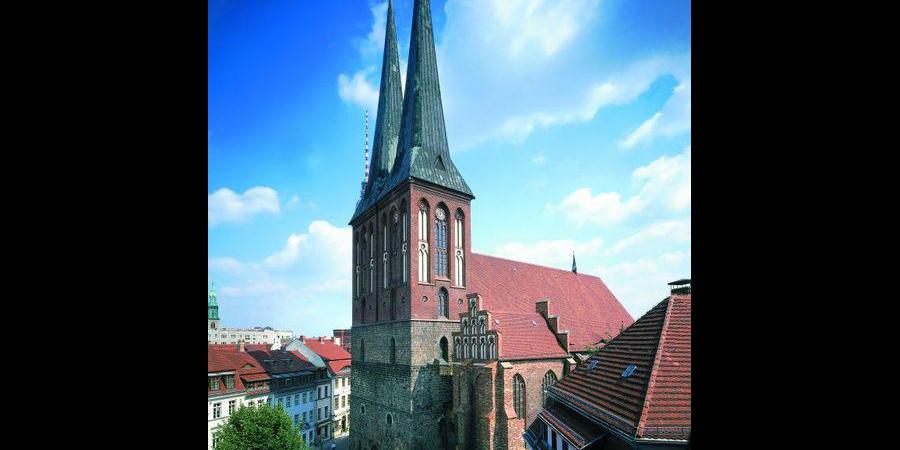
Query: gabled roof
[[583, 303], [655, 400], [337, 366], [229, 359]]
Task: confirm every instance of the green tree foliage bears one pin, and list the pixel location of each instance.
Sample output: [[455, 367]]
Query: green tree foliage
[[259, 428]]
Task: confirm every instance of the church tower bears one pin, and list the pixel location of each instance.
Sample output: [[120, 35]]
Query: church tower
[[410, 248], [212, 311]]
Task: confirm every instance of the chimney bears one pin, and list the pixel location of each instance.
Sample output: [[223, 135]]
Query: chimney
[[337, 340], [240, 346], [682, 286], [320, 338]]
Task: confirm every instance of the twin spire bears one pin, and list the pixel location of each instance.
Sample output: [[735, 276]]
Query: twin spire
[[410, 134]]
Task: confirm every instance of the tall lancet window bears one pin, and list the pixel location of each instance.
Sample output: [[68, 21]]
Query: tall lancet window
[[358, 258], [460, 248], [458, 353], [371, 259], [440, 244], [423, 242], [405, 247], [395, 244], [443, 302], [384, 249]]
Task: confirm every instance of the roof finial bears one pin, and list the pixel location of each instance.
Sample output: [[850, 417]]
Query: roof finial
[[574, 266]]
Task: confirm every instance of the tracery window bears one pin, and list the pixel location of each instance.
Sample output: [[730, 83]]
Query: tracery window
[[423, 242], [458, 350], [443, 304], [460, 248], [440, 245], [549, 380], [519, 396]]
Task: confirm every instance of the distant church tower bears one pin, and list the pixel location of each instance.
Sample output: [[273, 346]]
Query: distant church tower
[[410, 249], [212, 310]]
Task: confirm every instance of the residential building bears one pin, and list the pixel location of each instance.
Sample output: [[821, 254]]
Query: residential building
[[234, 379], [634, 393], [338, 363]]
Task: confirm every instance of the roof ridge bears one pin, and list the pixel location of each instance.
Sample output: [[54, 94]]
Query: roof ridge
[[654, 370], [580, 275]]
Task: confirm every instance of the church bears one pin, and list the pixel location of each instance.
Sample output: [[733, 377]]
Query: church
[[451, 349]]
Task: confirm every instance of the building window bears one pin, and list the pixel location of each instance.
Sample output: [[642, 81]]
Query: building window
[[344, 401], [326, 411], [326, 392], [337, 402], [215, 440], [492, 350], [287, 402], [362, 350], [217, 410], [393, 351], [405, 247], [444, 349], [549, 380], [319, 414], [481, 354], [297, 398], [443, 304], [423, 242], [440, 245], [390, 420], [251, 403], [460, 248], [214, 383], [363, 408], [231, 405], [519, 396], [458, 350]]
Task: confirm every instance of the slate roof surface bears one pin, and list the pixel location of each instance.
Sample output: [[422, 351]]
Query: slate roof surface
[[584, 304], [295, 361], [387, 122], [655, 401]]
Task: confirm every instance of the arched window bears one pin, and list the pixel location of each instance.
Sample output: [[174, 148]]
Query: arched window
[[393, 305], [393, 352], [440, 244], [395, 243], [390, 420], [481, 325], [423, 242], [444, 350], [474, 348], [460, 248], [372, 260], [362, 356], [519, 396], [465, 326], [549, 380], [492, 350], [357, 257], [481, 349], [405, 247], [385, 259], [443, 303], [465, 348], [458, 350]]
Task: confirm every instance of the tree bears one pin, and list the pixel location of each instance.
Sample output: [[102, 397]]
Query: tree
[[259, 428]]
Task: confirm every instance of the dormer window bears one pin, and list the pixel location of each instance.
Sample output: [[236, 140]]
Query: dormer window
[[214, 383], [229, 381]]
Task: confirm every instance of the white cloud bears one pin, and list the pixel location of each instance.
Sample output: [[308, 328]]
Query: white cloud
[[676, 231], [539, 160], [373, 45], [641, 284], [293, 202], [323, 244], [665, 182], [674, 118], [226, 206], [544, 26], [556, 253], [358, 91]]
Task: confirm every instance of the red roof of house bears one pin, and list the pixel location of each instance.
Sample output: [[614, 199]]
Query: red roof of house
[[655, 401], [227, 359], [583, 303], [337, 366], [525, 335], [327, 349]]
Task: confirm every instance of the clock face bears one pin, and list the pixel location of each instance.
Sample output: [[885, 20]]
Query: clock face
[[440, 214]]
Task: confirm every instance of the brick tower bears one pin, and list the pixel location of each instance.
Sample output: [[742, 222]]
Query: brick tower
[[410, 249]]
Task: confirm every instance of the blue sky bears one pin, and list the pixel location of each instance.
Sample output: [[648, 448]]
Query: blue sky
[[569, 119]]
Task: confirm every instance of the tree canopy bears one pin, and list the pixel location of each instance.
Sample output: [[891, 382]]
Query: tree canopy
[[259, 428]]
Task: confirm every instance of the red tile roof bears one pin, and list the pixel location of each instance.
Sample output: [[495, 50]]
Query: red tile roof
[[655, 401], [327, 349], [583, 303], [228, 359], [337, 366], [525, 335]]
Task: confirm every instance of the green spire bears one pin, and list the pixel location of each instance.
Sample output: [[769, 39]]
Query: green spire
[[212, 308], [390, 107], [422, 151], [387, 124]]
